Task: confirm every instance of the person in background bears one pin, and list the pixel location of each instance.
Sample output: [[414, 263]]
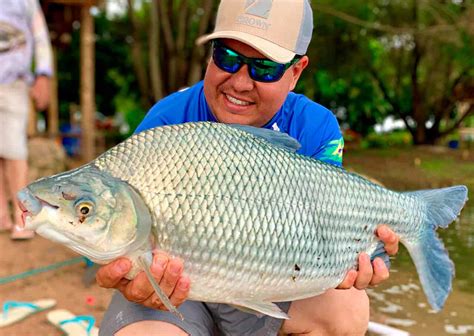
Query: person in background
[[258, 54], [24, 41]]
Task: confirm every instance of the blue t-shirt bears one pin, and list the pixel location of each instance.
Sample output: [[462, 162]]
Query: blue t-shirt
[[315, 127]]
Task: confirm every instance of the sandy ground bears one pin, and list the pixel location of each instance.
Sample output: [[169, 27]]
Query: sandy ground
[[64, 284]]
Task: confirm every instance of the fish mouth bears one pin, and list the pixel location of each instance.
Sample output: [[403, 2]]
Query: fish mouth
[[31, 205]]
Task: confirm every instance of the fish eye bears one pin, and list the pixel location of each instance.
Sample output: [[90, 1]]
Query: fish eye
[[84, 209]]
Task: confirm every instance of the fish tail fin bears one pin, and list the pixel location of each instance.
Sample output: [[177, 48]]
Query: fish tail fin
[[435, 268]]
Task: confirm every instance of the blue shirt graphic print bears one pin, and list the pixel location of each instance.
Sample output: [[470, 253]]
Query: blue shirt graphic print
[[315, 127]]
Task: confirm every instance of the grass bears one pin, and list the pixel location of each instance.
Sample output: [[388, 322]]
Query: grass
[[414, 167]]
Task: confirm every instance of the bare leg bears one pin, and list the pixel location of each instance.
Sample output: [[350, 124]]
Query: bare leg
[[151, 328], [5, 221], [17, 175], [336, 312]]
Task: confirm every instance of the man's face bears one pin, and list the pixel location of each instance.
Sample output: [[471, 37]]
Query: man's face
[[238, 99]]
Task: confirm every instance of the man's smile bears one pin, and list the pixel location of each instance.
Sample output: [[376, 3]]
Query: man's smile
[[237, 101]]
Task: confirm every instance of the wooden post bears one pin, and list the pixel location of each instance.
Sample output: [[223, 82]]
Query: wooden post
[[87, 85], [53, 110]]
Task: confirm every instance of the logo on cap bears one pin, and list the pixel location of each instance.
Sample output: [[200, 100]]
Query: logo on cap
[[259, 8]]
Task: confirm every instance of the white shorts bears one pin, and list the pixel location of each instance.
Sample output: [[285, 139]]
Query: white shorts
[[14, 109]]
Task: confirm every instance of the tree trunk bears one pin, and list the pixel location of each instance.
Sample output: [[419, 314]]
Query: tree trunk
[[182, 60], [170, 46], [417, 105], [155, 64], [198, 54], [87, 85], [137, 58]]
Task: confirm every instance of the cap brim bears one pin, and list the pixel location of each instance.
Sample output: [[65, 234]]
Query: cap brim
[[267, 48]]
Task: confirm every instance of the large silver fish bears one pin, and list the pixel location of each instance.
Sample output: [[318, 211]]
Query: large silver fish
[[254, 222]]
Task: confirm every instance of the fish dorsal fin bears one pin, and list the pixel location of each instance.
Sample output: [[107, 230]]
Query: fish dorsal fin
[[260, 307], [276, 138]]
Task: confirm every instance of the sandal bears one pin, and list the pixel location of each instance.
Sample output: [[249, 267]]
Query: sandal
[[73, 325], [14, 311]]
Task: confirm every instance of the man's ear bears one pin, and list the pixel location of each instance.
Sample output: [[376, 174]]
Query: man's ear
[[297, 70]]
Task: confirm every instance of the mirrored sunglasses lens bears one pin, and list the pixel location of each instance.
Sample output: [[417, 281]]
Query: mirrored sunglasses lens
[[226, 60], [266, 71]]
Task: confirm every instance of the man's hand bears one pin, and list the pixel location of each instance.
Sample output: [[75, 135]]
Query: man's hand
[[166, 271], [40, 92], [372, 275]]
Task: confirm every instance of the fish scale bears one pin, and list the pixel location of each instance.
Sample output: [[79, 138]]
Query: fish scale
[[254, 221], [178, 179]]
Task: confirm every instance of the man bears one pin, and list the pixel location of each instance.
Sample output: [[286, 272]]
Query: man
[[23, 33], [258, 55]]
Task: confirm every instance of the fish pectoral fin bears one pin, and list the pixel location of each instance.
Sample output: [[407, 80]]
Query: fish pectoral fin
[[145, 263], [260, 308]]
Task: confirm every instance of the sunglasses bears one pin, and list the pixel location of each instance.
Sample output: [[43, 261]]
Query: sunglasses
[[260, 69]]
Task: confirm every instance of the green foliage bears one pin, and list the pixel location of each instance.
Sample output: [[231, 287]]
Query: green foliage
[[114, 77], [354, 99], [124, 104], [379, 58], [387, 140], [361, 60], [114, 71], [469, 121], [131, 112]]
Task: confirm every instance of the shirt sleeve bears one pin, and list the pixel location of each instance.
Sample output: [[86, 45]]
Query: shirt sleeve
[[42, 44], [317, 130], [332, 145]]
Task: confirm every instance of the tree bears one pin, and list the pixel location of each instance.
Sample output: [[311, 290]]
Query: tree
[[434, 60], [418, 56], [165, 56]]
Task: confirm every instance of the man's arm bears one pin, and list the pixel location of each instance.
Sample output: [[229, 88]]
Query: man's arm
[[40, 91]]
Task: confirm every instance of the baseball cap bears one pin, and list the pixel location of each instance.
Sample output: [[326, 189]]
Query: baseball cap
[[279, 29]]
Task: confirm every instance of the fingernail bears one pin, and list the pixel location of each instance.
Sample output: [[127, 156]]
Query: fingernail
[[175, 268], [352, 277], [184, 285], [382, 231], [378, 263], [123, 266], [364, 257], [161, 262]]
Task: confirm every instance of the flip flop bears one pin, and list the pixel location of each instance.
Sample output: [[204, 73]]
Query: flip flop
[[14, 311], [71, 324]]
